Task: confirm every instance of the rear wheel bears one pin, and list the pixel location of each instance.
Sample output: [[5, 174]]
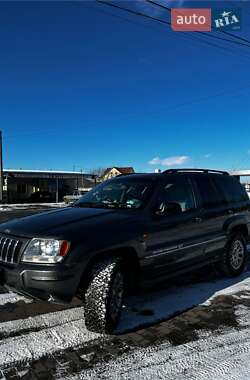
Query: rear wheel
[[234, 256], [104, 296]]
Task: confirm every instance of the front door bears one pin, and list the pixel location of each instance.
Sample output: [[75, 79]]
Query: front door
[[175, 237]]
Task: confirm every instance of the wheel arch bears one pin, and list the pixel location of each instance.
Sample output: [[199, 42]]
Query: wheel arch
[[239, 228], [130, 262], [237, 223]]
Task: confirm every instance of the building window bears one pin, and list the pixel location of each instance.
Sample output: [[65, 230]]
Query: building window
[[21, 188]]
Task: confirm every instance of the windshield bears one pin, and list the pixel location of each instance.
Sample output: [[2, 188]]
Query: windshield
[[126, 194]]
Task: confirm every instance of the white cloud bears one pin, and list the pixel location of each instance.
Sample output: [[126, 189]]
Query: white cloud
[[169, 161], [207, 155]]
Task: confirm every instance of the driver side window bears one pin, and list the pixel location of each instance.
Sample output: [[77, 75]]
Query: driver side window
[[175, 197]]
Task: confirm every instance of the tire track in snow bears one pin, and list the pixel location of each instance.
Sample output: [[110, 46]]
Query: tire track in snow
[[9, 297], [27, 339], [225, 356], [39, 322], [45, 342], [32, 338]]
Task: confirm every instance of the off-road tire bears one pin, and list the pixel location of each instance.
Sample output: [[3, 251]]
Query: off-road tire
[[225, 265], [97, 300]]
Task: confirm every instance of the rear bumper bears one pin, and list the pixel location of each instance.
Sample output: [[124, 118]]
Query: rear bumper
[[56, 284]]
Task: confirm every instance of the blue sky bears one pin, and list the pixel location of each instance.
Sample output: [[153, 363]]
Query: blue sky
[[83, 85]]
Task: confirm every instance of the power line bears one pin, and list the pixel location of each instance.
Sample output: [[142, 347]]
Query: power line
[[187, 103], [133, 12], [206, 34], [166, 22], [234, 36], [193, 35], [180, 35], [121, 17], [146, 26]]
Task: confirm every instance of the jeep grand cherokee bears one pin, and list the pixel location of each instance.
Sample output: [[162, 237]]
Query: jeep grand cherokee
[[132, 230]]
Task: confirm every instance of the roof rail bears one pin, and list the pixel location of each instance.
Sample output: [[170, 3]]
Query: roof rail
[[170, 171], [122, 174]]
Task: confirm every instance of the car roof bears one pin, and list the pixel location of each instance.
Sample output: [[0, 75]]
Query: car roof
[[148, 176], [175, 172]]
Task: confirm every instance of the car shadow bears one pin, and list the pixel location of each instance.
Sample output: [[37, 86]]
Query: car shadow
[[151, 307]]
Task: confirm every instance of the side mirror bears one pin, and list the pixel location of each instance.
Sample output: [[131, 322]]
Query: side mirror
[[168, 209]]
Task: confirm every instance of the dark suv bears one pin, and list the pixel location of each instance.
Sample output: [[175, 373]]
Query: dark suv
[[132, 230]]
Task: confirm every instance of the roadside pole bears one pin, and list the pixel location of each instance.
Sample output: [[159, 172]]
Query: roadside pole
[[1, 168], [57, 190]]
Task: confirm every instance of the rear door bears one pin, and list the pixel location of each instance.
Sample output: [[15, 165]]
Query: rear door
[[214, 212]]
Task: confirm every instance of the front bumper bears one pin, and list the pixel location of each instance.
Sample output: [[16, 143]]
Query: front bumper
[[57, 283]]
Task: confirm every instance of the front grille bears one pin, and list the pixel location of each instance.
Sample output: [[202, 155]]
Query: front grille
[[10, 249]]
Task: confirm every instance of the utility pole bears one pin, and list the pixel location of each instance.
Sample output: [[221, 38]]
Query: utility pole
[[1, 168], [57, 189]]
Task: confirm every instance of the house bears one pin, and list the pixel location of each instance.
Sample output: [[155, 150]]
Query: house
[[30, 185], [113, 172]]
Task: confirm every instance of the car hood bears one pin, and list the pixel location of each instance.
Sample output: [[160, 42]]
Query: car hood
[[58, 221]]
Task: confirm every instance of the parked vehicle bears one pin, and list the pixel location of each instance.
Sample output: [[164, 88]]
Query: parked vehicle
[[77, 194], [41, 197], [133, 230]]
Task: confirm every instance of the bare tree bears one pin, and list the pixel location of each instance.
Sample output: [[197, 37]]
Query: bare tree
[[97, 171]]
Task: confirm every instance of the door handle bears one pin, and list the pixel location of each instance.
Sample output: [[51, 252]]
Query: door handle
[[198, 220]]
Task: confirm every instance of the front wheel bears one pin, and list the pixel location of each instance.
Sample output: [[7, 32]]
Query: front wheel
[[104, 296], [234, 256]]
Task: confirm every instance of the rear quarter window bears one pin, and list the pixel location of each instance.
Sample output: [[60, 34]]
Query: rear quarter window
[[210, 195], [231, 188]]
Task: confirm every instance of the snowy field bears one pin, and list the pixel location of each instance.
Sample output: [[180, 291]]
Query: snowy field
[[33, 332]]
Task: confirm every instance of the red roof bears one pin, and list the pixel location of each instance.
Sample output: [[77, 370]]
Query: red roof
[[122, 170]]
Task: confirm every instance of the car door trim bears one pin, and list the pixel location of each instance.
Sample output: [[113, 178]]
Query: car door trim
[[181, 246]]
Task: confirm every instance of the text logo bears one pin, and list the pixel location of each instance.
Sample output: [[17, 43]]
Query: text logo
[[227, 19], [191, 19]]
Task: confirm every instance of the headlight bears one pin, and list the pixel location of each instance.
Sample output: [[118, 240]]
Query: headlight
[[46, 251]]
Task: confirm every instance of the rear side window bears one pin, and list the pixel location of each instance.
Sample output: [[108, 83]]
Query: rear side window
[[210, 195], [232, 188]]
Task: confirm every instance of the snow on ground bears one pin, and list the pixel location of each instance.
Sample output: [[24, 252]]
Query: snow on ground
[[12, 298], [215, 356], [168, 302], [41, 321], [27, 206], [57, 331], [36, 344], [220, 357]]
